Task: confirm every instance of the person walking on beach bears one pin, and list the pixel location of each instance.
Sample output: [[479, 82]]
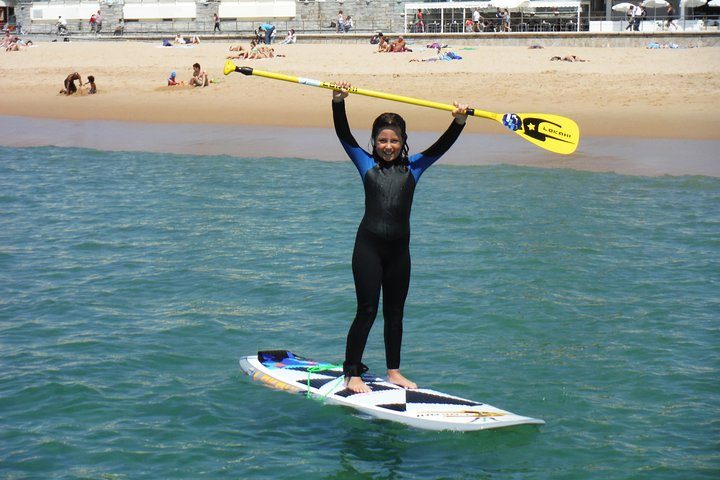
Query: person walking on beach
[[630, 17], [638, 14], [671, 17], [419, 23], [381, 256]]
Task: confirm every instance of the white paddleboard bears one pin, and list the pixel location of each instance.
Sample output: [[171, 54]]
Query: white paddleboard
[[421, 407]]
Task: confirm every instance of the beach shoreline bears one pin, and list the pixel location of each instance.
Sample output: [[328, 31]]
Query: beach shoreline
[[632, 93], [651, 157]]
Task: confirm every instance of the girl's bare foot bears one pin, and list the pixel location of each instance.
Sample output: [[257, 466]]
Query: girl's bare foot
[[356, 385], [395, 377]]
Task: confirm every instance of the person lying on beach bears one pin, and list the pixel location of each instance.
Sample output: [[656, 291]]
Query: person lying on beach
[[19, 45], [173, 81], [242, 53], [69, 84], [8, 39], [199, 78], [568, 58], [447, 56], [91, 82], [180, 40], [256, 51]]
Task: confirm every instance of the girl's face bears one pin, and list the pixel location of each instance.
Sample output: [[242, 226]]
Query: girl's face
[[388, 144]]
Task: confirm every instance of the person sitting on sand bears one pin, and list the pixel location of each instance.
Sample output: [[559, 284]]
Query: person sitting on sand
[[8, 39], [199, 78], [384, 45], [69, 84], [91, 82], [399, 45], [291, 37], [179, 40], [569, 58], [172, 80]]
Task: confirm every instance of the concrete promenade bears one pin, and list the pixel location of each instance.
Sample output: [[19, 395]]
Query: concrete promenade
[[708, 38]]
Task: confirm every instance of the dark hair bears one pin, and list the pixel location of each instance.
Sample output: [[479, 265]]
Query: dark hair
[[91, 78], [196, 65], [393, 121]]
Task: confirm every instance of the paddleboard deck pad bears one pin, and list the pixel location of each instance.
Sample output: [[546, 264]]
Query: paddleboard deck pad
[[420, 408]]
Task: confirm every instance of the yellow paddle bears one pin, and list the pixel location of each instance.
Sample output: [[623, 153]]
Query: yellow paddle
[[551, 132]]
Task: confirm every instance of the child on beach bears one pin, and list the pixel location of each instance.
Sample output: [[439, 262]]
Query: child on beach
[[93, 87], [172, 80], [381, 256]]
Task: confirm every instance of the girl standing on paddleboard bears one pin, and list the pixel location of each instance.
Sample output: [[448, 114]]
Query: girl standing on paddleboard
[[381, 257]]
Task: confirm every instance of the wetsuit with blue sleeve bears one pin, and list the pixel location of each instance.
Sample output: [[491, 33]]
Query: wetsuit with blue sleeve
[[381, 256]]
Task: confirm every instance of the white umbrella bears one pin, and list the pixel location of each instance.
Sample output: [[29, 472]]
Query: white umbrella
[[655, 3], [714, 3], [510, 4], [623, 7], [692, 3]]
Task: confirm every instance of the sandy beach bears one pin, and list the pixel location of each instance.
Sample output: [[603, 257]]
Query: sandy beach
[[637, 93]]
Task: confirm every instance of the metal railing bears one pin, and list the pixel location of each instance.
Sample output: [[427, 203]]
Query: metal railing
[[526, 23]]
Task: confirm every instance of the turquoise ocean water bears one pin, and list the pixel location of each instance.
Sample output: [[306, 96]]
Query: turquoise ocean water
[[131, 283]]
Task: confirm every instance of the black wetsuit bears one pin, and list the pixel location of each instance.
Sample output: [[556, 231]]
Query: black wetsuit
[[381, 257]]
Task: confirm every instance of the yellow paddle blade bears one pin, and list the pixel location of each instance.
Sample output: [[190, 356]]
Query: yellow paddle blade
[[229, 67], [551, 132]]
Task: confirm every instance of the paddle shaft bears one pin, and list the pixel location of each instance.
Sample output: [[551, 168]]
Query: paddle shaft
[[368, 93]]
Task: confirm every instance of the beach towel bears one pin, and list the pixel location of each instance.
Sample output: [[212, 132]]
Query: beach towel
[[451, 56]]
